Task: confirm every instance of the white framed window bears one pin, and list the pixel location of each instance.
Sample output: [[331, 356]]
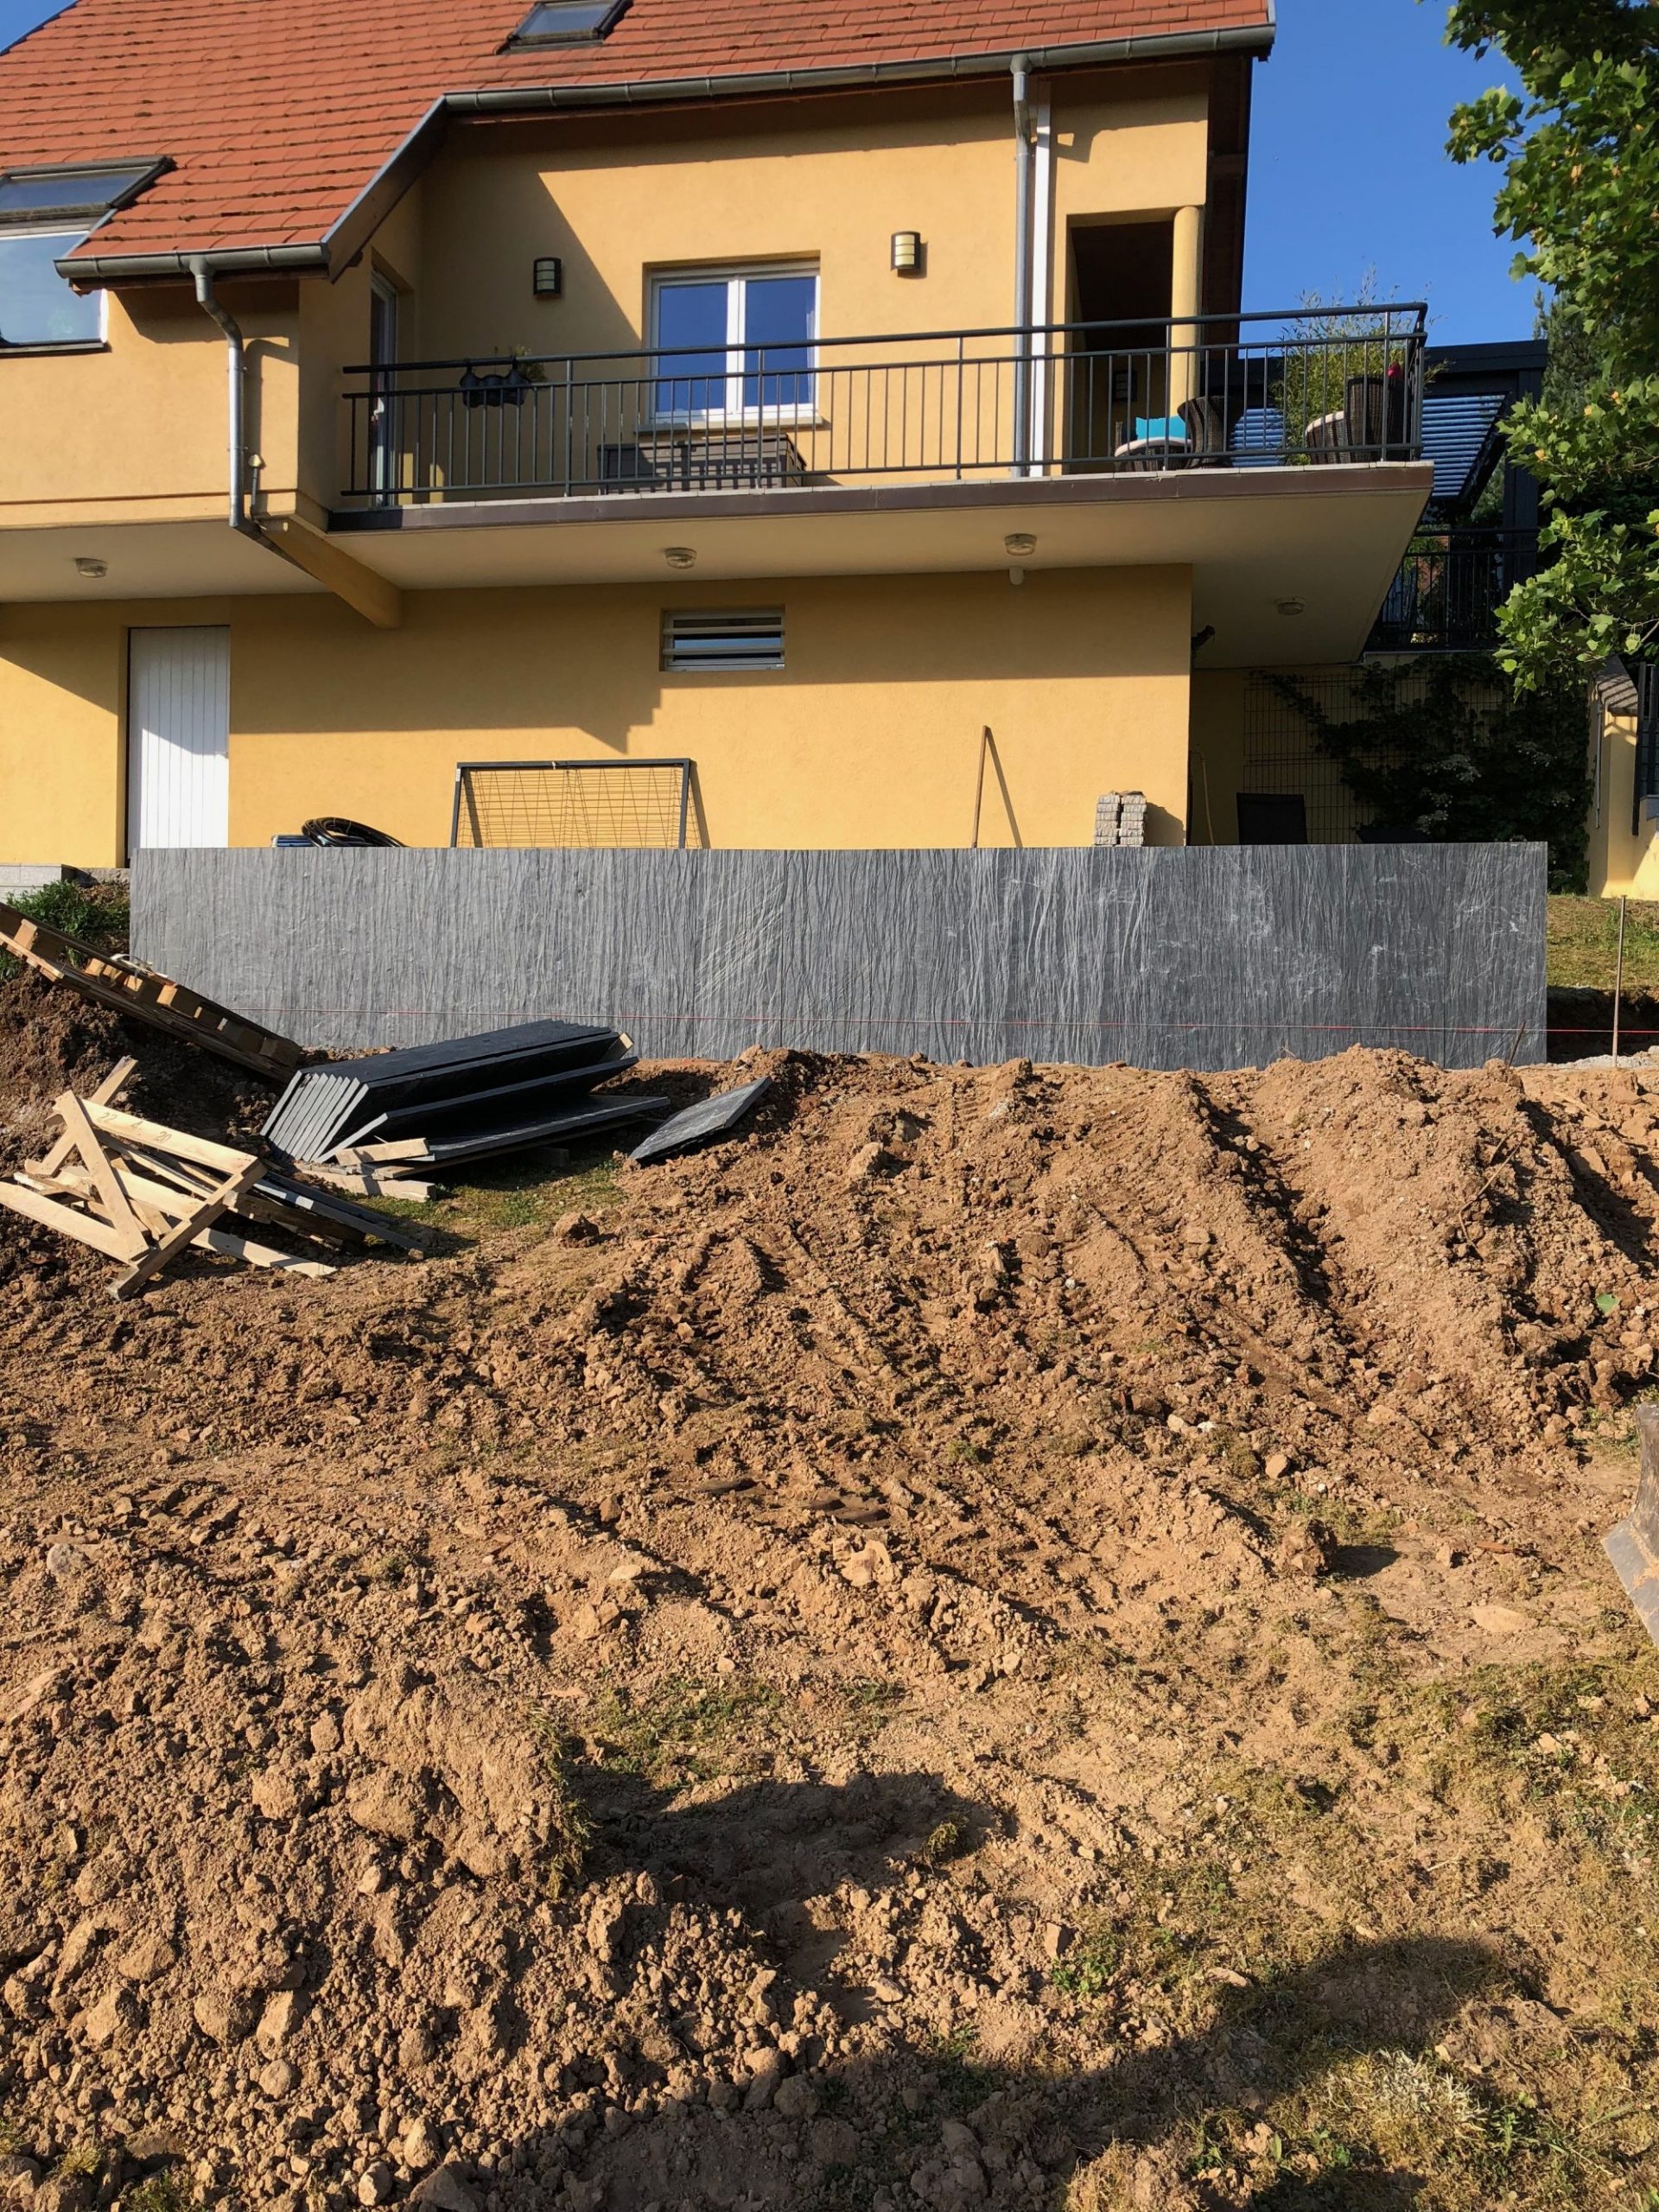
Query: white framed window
[[45, 213], [735, 344], [37, 308]]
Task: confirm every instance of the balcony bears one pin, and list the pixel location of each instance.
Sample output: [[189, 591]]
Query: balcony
[[1450, 587], [1255, 392]]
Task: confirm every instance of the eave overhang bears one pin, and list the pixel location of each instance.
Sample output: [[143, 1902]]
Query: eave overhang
[[335, 252]]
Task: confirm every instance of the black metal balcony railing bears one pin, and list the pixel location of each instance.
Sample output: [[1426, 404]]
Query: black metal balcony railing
[[1343, 385], [1450, 587]]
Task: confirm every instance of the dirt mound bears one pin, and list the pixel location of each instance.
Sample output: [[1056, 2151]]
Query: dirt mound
[[1007, 1622], [51, 1041]]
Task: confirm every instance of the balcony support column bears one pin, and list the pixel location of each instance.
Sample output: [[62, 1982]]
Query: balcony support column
[[1186, 300]]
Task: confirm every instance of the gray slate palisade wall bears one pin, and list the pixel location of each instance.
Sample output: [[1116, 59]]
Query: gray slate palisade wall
[[1205, 958]]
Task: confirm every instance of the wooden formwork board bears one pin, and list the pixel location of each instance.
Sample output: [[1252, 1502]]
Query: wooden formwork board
[[147, 997]]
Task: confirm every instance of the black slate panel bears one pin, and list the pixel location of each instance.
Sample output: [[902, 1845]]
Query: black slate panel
[[701, 1123], [1206, 958]]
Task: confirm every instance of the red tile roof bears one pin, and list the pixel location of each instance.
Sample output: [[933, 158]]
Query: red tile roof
[[279, 113]]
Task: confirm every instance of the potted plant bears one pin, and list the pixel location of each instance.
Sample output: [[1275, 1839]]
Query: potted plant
[[503, 387]]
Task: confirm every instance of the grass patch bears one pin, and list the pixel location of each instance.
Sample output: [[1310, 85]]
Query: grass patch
[[864, 1705], [96, 914], [572, 1830], [1581, 943], [159, 2193], [682, 1731], [529, 1192]]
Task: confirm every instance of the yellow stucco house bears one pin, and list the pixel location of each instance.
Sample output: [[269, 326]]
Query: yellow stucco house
[[790, 395]]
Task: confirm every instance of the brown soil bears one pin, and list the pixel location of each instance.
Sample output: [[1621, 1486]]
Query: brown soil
[[1013, 1637], [51, 1041]]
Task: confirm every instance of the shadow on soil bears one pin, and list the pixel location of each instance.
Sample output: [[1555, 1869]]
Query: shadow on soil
[[871, 2136]]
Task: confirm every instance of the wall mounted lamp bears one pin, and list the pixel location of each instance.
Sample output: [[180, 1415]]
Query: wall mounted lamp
[[1020, 543], [907, 253], [680, 556], [1291, 605], [90, 567], [547, 280]]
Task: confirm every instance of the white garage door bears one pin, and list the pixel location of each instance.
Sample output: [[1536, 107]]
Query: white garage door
[[179, 737]]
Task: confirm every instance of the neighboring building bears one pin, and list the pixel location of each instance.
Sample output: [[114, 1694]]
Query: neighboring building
[[576, 410], [1477, 539], [1624, 783]]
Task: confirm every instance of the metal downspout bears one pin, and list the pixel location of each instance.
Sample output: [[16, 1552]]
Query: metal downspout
[[236, 355], [1021, 72]]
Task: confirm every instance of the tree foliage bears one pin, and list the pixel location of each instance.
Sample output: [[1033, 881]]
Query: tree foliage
[[1445, 751], [1579, 151]]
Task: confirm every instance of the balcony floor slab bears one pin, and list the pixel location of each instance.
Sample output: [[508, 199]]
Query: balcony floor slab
[[1329, 537]]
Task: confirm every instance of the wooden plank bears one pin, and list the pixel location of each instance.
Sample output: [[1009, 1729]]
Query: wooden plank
[[134, 1278], [259, 1204], [144, 996], [177, 1142], [367, 1183], [194, 1182], [237, 1247], [66, 1220], [168, 1206], [106, 1095], [381, 1155], [106, 1182], [75, 1182], [328, 1207], [164, 1206]]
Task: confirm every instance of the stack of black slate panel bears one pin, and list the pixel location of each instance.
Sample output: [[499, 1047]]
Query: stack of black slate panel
[[502, 1091]]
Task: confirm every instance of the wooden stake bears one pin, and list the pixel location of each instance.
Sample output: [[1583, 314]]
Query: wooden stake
[[106, 1182], [66, 1221], [226, 1158], [106, 1094], [222, 1201]]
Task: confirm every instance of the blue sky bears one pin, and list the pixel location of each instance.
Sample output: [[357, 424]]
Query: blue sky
[[1350, 172]]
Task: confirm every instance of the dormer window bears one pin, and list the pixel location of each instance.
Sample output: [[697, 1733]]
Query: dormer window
[[45, 213], [569, 22]]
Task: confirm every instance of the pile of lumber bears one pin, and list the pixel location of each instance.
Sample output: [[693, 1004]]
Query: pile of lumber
[[140, 1193], [435, 1105], [131, 989]]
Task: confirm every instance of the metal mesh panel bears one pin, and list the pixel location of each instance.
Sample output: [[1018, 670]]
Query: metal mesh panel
[[1283, 759], [563, 804]]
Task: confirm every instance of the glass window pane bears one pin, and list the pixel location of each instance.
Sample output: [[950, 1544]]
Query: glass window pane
[[30, 195], [567, 19], [691, 316], [36, 306], [780, 321]]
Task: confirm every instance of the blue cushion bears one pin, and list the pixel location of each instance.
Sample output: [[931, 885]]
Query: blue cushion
[[1167, 430]]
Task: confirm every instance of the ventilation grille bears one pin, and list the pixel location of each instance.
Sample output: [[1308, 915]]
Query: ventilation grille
[[695, 638]]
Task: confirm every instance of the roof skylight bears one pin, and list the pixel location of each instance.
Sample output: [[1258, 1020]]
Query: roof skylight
[[569, 22], [38, 196]]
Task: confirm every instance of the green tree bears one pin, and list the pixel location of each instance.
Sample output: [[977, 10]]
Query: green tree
[[1579, 151], [1443, 751]]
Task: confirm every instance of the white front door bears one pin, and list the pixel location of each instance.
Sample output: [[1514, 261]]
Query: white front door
[[178, 738]]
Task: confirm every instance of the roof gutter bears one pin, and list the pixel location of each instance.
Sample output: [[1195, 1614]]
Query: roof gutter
[[347, 235], [223, 261], [1170, 46]]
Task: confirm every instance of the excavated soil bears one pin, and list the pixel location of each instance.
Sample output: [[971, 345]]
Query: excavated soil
[[1012, 1637]]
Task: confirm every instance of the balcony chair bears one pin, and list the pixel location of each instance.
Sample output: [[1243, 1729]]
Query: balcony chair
[[1194, 435]]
